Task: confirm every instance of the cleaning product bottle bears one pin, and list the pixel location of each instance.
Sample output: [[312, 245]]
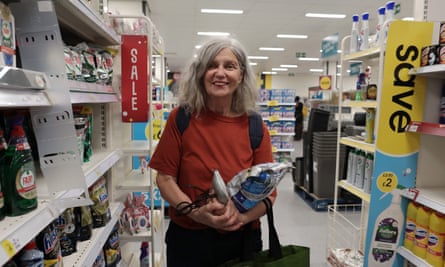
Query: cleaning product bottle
[[369, 125], [354, 34], [144, 259], [369, 166], [364, 32], [422, 229], [19, 173], [351, 165], [386, 233], [436, 240], [3, 148], [390, 5], [380, 21], [410, 225], [30, 256], [360, 169]]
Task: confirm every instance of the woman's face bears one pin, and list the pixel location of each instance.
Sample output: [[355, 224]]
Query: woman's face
[[223, 75]]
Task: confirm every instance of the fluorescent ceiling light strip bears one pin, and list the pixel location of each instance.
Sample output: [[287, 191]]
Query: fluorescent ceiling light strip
[[316, 70], [289, 66], [214, 33], [308, 59], [326, 16], [292, 36], [271, 49], [222, 11], [253, 63], [257, 57], [279, 69], [269, 72]]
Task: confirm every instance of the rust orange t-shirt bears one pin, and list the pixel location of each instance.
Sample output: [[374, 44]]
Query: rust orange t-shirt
[[210, 142]]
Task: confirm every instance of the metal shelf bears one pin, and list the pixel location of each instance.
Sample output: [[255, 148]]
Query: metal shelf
[[100, 162], [138, 147], [362, 55], [355, 190], [426, 128], [78, 17], [407, 254], [362, 104], [135, 181], [357, 143], [430, 197], [433, 71]]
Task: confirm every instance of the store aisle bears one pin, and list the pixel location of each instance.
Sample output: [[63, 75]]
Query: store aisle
[[297, 223]]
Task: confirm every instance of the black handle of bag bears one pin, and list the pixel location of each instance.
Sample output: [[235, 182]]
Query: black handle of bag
[[274, 242]]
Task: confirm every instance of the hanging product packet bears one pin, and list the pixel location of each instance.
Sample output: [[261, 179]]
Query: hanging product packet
[[252, 185]]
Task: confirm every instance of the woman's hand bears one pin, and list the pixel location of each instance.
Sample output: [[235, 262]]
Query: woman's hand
[[219, 216]]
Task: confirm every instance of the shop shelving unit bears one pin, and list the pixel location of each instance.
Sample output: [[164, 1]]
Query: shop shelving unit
[[395, 152], [49, 96]]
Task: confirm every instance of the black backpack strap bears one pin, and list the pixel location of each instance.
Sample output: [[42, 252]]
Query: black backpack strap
[[182, 120], [255, 130]]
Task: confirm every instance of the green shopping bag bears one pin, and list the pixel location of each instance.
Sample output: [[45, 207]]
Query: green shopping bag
[[277, 255]]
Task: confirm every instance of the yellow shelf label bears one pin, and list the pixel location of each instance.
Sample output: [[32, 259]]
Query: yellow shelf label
[[274, 118], [272, 103], [274, 149], [8, 246], [273, 132]]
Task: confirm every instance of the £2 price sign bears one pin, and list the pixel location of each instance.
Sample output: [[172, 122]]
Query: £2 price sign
[[134, 58]]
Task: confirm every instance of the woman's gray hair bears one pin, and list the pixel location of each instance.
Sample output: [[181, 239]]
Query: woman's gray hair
[[192, 93]]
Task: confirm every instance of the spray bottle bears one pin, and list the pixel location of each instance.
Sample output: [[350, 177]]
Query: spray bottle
[[389, 17], [380, 21], [387, 232], [354, 34], [364, 32]]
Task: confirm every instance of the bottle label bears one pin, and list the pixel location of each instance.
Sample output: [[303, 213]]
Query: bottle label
[[25, 182], [387, 231]]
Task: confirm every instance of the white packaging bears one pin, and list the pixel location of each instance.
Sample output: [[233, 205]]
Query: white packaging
[[364, 32], [354, 34]]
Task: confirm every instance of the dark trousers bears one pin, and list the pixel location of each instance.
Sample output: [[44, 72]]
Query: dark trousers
[[208, 247]]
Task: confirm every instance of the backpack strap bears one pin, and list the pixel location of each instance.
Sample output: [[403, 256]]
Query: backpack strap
[[182, 120], [255, 130], [255, 126]]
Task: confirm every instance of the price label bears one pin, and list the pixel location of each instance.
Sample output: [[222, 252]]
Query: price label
[[9, 247], [273, 132], [387, 182], [272, 103], [274, 118], [274, 149]]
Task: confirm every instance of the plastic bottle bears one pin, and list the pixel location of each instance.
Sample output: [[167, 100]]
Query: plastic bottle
[[369, 125], [144, 258], [364, 32], [436, 239], [390, 5], [422, 228], [369, 166], [351, 165], [386, 233], [19, 176], [360, 168], [380, 21], [30, 256], [3, 148], [354, 34], [410, 225]]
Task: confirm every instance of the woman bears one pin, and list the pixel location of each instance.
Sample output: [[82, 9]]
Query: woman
[[219, 92]]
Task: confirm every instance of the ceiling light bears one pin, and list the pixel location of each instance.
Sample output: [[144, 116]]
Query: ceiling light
[[316, 70], [269, 72], [253, 63], [292, 36], [289, 66], [198, 46], [271, 49], [257, 57], [326, 16], [214, 33], [308, 59], [279, 69], [222, 11]]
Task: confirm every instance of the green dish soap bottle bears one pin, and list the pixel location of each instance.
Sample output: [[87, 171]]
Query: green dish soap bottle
[[19, 185], [3, 147]]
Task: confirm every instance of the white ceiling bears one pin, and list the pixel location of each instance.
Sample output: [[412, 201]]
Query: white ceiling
[[178, 21]]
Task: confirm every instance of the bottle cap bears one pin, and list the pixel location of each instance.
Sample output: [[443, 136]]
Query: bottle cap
[[390, 5], [365, 16], [382, 10], [355, 18]]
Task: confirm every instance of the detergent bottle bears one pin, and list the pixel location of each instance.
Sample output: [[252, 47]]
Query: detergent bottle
[[422, 229], [410, 225], [436, 239]]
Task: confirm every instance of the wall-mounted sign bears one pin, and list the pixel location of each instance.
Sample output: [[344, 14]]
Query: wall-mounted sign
[[134, 58]]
